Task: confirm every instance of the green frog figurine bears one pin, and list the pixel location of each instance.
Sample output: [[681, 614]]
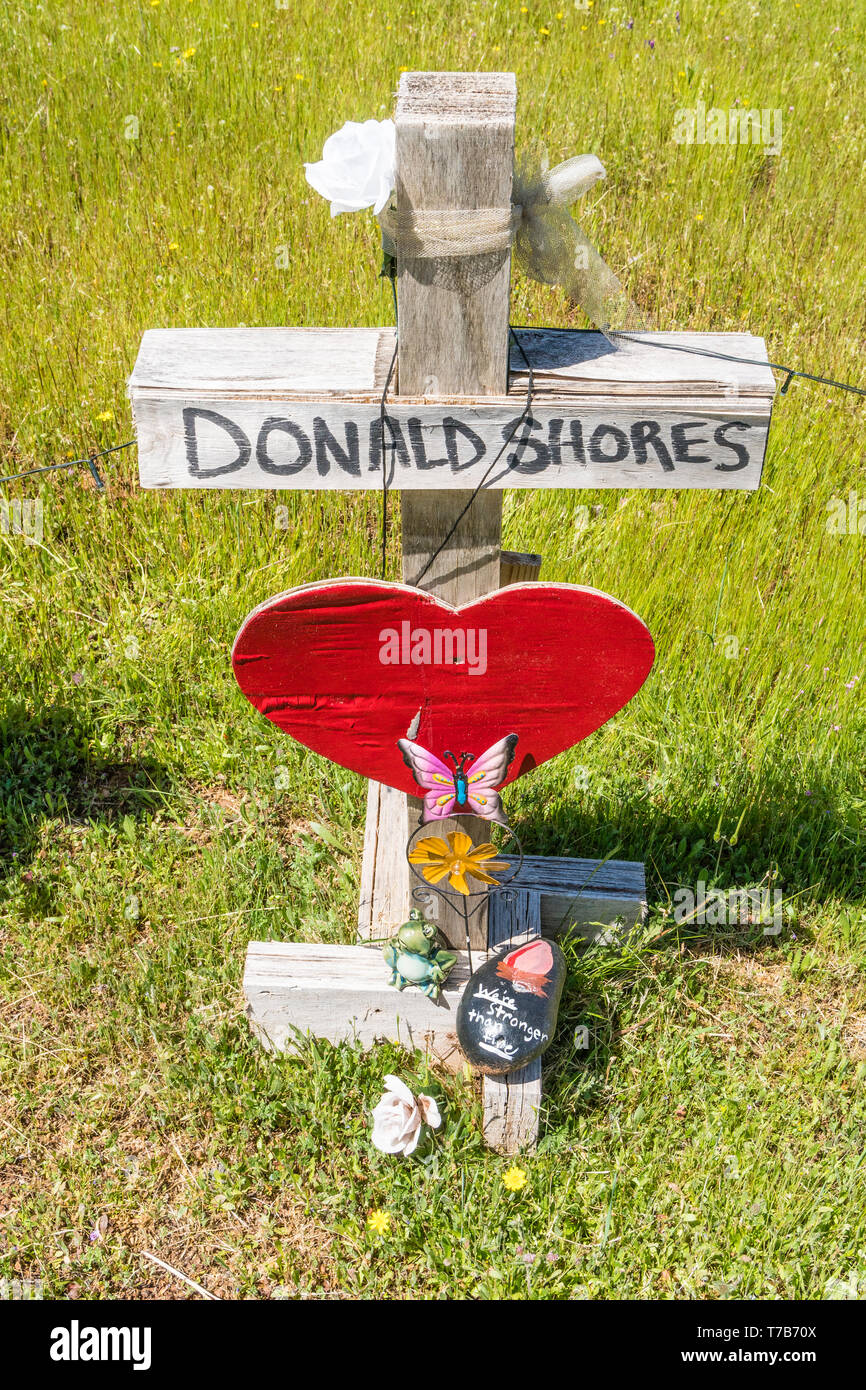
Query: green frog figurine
[[416, 958]]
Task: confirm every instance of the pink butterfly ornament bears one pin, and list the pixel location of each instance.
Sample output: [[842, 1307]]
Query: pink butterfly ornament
[[462, 790]]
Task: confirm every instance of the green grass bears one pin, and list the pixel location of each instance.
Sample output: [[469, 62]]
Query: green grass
[[709, 1143]]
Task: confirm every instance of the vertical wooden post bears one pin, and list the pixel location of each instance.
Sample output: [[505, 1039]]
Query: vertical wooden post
[[518, 568], [512, 1102], [455, 149]]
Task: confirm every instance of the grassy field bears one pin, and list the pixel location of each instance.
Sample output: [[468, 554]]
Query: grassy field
[[709, 1143]]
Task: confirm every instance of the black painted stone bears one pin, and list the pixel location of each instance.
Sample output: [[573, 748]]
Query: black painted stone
[[507, 1014]]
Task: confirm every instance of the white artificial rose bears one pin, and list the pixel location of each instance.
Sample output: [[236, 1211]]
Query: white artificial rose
[[399, 1119], [357, 167]]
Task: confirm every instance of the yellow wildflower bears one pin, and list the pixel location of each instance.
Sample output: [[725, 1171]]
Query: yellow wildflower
[[379, 1221], [456, 859], [514, 1179]]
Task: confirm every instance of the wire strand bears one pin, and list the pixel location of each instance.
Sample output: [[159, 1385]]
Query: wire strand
[[382, 419], [790, 372], [90, 460], [524, 415]]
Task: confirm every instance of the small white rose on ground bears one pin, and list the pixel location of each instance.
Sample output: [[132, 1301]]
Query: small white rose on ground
[[399, 1118], [357, 167]]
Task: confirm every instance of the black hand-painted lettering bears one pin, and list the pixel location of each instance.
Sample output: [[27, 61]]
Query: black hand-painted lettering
[[451, 428], [349, 459], [597, 454], [518, 460], [576, 431], [682, 444], [740, 450], [191, 413], [419, 448], [395, 444], [644, 432], [263, 458], [554, 441]]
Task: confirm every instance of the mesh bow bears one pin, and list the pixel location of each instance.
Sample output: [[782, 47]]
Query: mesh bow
[[551, 248], [464, 247]]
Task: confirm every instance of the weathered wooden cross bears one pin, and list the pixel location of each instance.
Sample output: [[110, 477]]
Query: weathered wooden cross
[[301, 408]]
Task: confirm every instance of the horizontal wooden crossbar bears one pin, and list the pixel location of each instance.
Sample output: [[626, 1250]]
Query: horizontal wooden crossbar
[[598, 900], [301, 408], [341, 993]]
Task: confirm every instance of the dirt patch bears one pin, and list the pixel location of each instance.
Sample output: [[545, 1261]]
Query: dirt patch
[[215, 798], [854, 1037], [228, 801], [828, 995]]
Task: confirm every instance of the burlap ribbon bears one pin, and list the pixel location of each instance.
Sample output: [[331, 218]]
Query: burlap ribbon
[[548, 243]]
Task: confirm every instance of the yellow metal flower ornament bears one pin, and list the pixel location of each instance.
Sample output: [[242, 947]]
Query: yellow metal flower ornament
[[457, 859]]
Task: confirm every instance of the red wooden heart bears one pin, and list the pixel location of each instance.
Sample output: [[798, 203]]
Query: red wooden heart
[[345, 666]]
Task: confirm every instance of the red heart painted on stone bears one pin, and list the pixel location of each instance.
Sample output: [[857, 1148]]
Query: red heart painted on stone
[[344, 666]]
